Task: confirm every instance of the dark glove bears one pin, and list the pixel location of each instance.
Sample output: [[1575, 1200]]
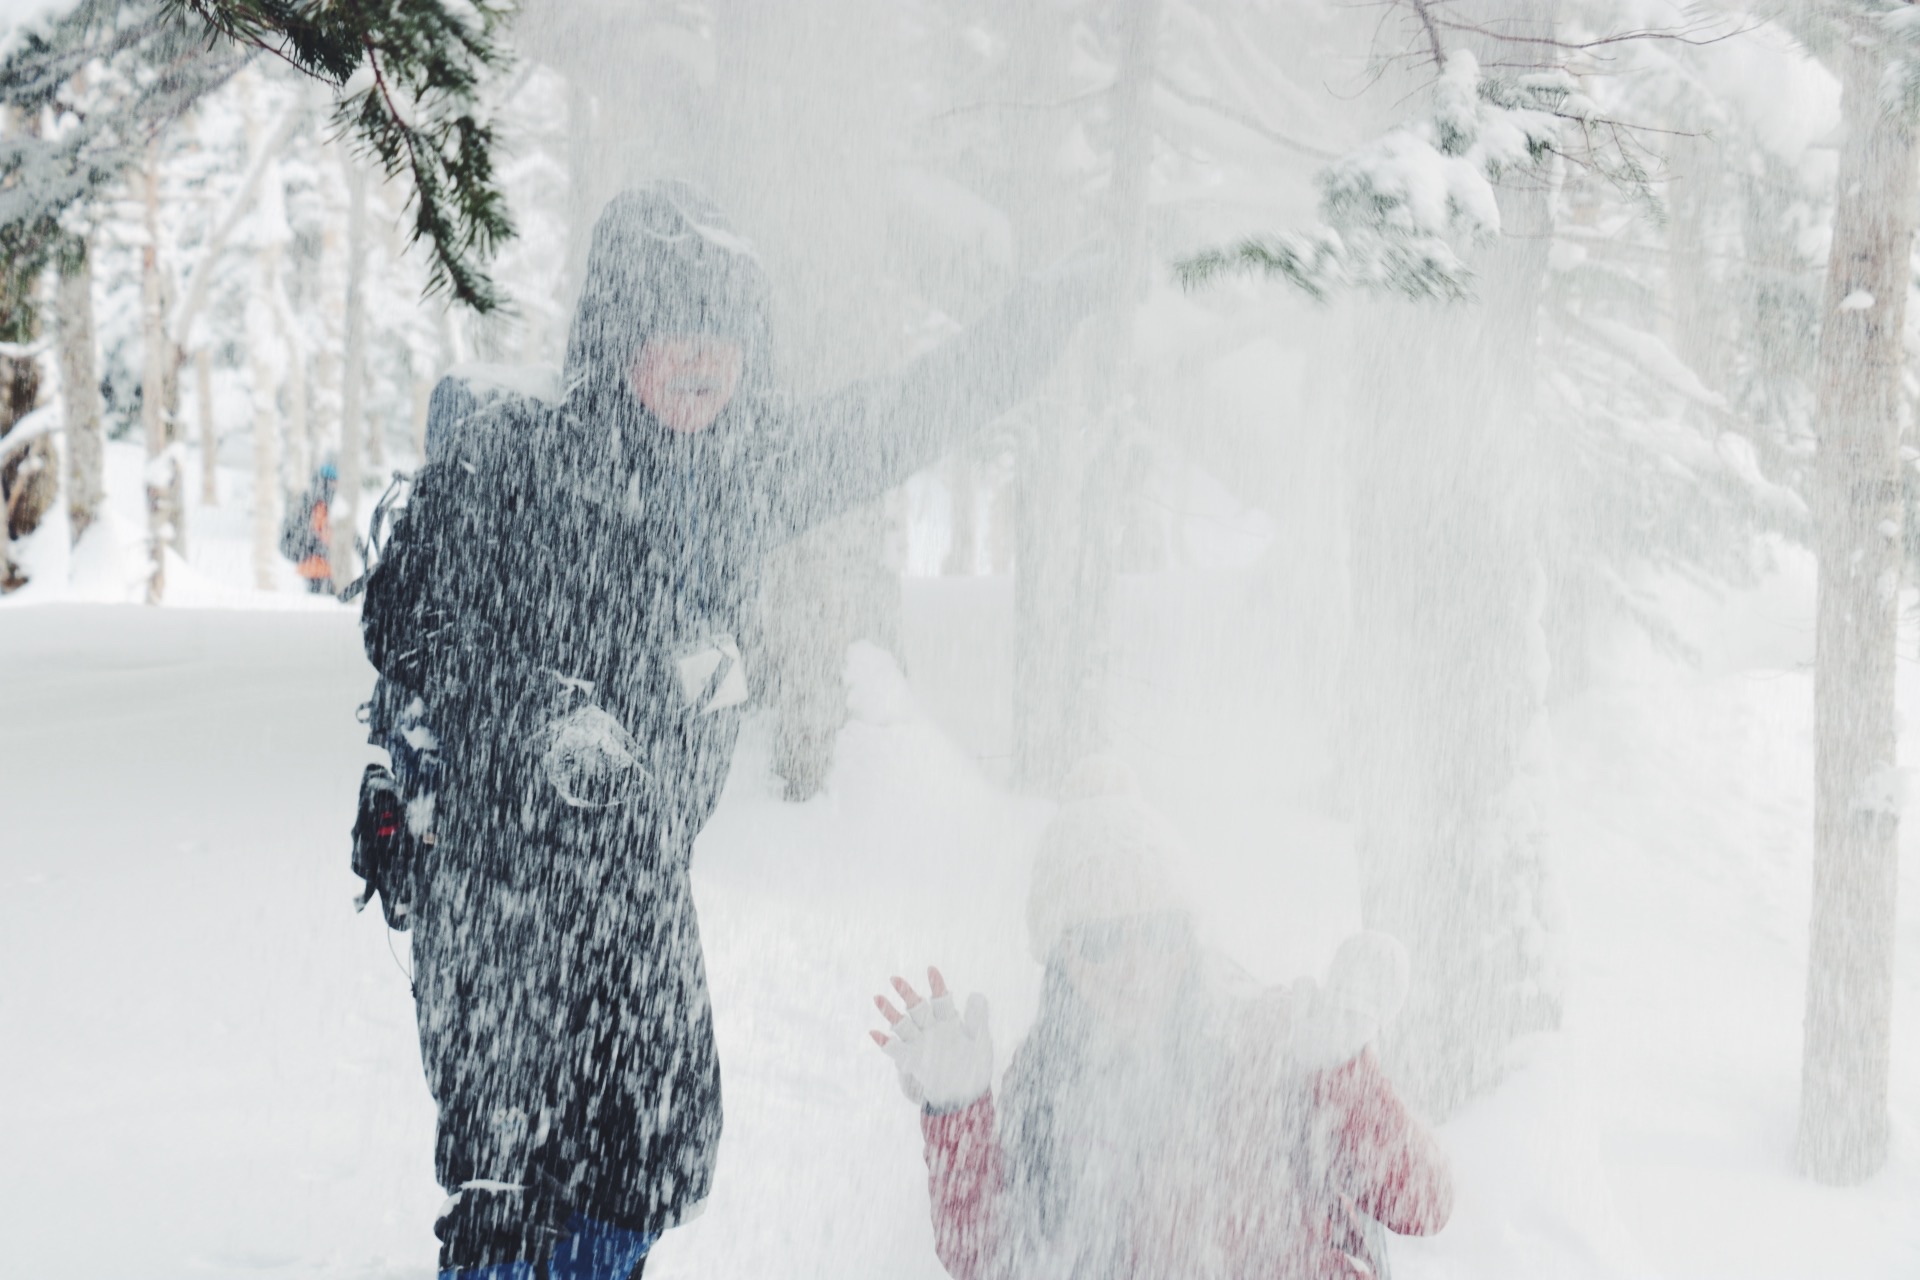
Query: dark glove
[[383, 848]]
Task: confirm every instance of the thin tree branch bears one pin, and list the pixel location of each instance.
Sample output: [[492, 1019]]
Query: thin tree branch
[[1676, 34], [992, 105], [1244, 119], [1433, 35]]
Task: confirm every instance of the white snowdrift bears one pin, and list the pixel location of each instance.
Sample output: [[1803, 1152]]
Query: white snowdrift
[[207, 1063]]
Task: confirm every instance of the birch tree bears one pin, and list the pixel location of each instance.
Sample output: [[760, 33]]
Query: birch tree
[[1062, 568], [28, 470], [162, 464], [80, 388], [1843, 1129], [343, 518], [1086, 714]]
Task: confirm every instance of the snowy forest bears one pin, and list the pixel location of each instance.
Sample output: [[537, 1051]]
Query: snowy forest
[[1321, 595]]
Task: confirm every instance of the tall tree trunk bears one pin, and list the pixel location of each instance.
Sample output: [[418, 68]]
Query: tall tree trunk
[[836, 584], [209, 437], [161, 517], [327, 329], [262, 319], [80, 390], [586, 181], [1857, 514], [301, 452], [1043, 496], [28, 474], [373, 429], [1002, 524], [1065, 671], [29, 482], [963, 503], [419, 399], [1699, 328], [1448, 670], [343, 518], [175, 421]]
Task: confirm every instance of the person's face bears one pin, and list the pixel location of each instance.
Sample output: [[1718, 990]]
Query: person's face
[[685, 381], [1129, 972]]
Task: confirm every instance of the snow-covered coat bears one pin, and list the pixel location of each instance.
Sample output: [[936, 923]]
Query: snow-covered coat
[[1204, 1155], [571, 592]]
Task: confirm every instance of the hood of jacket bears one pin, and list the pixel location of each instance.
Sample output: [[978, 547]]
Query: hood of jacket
[[663, 261]]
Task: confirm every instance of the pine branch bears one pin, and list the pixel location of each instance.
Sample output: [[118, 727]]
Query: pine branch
[[408, 75], [1291, 259]]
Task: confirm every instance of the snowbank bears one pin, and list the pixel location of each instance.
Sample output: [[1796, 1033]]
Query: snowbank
[[207, 1064]]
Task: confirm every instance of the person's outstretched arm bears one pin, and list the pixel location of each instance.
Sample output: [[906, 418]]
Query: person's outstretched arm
[[946, 1064], [1380, 1155], [852, 445], [965, 1172]]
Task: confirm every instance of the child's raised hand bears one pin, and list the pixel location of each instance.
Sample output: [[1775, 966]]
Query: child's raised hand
[[945, 1060]]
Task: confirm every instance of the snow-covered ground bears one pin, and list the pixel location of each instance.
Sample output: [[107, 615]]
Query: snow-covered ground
[[207, 1063]]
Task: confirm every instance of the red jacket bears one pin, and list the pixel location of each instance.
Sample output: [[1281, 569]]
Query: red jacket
[[1293, 1168]]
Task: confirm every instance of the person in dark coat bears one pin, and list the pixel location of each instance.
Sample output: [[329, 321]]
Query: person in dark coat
[[570, 591]]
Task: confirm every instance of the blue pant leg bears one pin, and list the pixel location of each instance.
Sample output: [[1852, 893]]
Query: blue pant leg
[[596, 1251], [499, 1271]]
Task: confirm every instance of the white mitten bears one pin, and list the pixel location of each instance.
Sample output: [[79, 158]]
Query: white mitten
[[1365, 987], [945, 1060]]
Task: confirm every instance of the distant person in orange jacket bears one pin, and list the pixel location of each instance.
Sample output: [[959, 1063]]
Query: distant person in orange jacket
[[1164, 1117], [306, 538]]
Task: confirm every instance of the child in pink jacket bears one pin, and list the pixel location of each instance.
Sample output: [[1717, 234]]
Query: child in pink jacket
[[1161, 1119]]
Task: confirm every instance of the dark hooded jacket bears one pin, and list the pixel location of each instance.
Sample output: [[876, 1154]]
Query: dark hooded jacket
[[584, 544], [571, 590]]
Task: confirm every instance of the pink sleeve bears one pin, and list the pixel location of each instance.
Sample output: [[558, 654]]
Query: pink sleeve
[[963, 1183], [1381, 1155]]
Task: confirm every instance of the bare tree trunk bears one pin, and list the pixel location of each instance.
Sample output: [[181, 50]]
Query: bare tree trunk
[[29, 482], [1447, 681], [209, 438], [301, 452], [420, 398], [1857, 521], [373, 430], [80, 389], [836, 584], [1699, 326], [262, 313], [1071, 680], [1045, 515], [175, 421], [963, 501], [1001, 526], [161, 518], [586, 181], [29, 474], [323, 380], [1043, 498], [343, 518]]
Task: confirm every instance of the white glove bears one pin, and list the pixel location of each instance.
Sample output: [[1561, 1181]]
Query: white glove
[[945, 1060], [1365, 987]]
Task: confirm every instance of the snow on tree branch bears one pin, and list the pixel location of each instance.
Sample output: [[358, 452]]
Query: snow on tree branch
[[1392, 211], [91, 85], [409, 75]]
